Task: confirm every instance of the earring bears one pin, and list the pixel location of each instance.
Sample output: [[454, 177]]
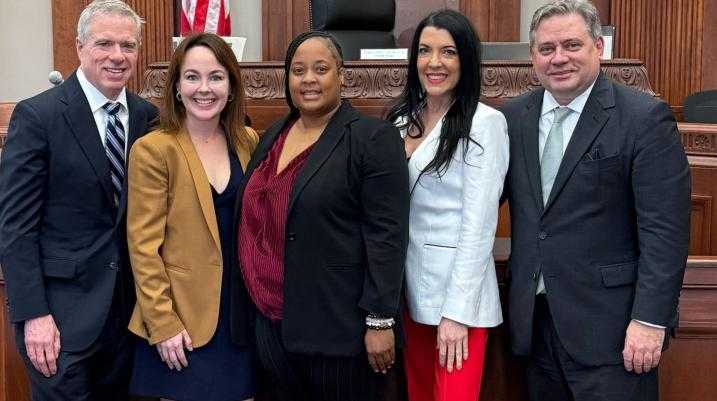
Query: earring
[[230, 97], [179, 96]]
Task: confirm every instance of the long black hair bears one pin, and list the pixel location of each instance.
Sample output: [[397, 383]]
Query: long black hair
[[331, 43], [457, 122]]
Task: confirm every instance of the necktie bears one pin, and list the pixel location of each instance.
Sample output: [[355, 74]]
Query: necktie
[[114, 146], [550, 162], [552, 152]]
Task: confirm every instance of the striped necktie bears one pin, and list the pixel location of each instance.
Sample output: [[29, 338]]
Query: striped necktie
[[114, 146]]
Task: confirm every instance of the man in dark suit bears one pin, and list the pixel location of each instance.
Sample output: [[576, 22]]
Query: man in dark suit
[[62, 207], [599, 194]]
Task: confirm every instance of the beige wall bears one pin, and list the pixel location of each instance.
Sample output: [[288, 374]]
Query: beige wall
[[25, 48], [246, 22], [527, 9]]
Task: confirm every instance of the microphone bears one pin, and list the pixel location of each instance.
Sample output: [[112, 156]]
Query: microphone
[[55, 78]]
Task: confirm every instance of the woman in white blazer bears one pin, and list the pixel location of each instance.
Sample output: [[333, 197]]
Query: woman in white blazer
[[457, 151]]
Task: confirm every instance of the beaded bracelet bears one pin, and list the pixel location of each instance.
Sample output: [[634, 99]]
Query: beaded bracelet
[[375, 322]]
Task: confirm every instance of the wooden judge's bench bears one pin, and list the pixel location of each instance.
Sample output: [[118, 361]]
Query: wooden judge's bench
[[688, 368]]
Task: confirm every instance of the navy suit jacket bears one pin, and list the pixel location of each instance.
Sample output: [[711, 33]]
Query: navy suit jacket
[[612, 239], [62, 241]]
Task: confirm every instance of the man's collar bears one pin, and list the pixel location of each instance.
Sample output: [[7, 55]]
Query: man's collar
[[577, 105], [94, 97]]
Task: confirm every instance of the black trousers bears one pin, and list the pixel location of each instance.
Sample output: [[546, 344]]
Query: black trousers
[[554, 376], [300, 377], [99, 373]]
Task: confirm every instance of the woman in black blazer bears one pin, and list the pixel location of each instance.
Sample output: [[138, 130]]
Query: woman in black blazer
[[322, 235]]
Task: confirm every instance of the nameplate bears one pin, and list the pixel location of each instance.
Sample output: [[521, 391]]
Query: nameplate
[[384, 54]]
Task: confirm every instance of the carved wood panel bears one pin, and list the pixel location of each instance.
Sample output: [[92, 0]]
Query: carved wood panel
[[672, 38], [156, 34]]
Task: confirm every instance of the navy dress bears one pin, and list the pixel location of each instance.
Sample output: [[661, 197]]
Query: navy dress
[[220, 370]]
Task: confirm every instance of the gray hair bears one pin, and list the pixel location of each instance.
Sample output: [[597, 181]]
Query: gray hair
[[106, 7], [582, 8]]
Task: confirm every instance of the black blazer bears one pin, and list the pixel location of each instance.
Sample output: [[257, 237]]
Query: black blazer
[[346, 233], [62, 242], [613, 237]]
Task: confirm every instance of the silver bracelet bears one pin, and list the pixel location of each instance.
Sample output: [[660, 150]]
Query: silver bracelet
[[378, 323]]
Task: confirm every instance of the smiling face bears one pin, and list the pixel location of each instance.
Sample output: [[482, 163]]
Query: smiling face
[[438, 64], [565, 57], [314, 78], [203, 85], [108, 56]]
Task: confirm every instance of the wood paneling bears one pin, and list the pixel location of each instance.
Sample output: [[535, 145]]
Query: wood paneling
[[281, 21], [5, 113], [13, 380], [496, 20], [603, 7], [700, 142], [709, 46], [675, 39], [64, 32], [156, 34]]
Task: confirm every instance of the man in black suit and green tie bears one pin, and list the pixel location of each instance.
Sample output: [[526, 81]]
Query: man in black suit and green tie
[[599, 194]]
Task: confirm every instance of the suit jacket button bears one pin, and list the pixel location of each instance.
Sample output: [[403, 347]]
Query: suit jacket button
[[113, 265], [291, 236], [542, 235]]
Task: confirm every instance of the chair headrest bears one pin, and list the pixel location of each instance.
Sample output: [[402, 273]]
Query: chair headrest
[[368, 15], [701, 107]]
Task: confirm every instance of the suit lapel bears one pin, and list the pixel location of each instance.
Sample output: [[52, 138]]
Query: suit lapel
[[328, 140], [83, 126], [529, 134], [201, 184], [590, 124], [137, 126], [424, 153]]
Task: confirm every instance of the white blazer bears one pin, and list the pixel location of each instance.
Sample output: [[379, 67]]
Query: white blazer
[[450, 271]]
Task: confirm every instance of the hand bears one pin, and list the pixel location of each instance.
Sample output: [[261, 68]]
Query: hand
[[380, 349], [643, 347], [171, 350], [42, 342], [452, 343]]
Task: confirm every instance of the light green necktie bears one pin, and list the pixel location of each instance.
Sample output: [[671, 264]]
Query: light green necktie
[[552, 152], [550, 162]]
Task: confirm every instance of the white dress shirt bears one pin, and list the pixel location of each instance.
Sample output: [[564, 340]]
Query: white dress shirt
[[96, 100], [547, 115]]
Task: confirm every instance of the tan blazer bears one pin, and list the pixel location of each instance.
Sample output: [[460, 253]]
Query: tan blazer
[[173, 238]]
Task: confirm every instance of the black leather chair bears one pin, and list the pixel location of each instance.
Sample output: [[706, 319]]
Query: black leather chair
[[701, 107], [356, 24]]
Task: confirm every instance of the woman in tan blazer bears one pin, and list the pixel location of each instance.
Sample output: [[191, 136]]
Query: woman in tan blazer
[[182, 181]]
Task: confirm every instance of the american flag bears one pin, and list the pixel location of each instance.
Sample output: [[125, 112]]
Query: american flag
[[206, 16]]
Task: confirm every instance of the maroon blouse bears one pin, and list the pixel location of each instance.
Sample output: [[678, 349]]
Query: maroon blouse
[[263, 228]]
